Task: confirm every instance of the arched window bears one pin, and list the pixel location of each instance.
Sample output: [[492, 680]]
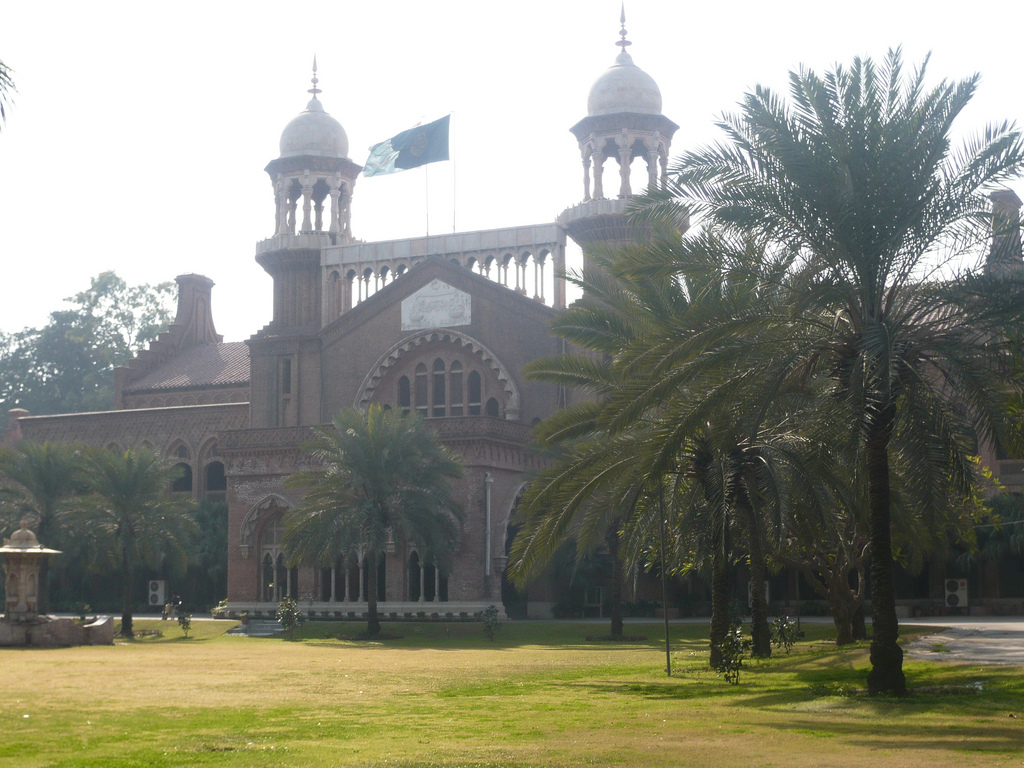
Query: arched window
[[421, 390], [183, 482], [439, 395], [216, 481], [455, 385], [473, 385], [404, 394], [278, 580], [492, 408]]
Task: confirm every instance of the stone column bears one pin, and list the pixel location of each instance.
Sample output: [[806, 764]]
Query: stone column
[[625, 155], [558, 254], [437, 583], [652, 169], [346, 211], [599, 176], [290, 218], [334, 580], [664, 166], [280, 206], [359, 584], [335, 194], [347, 597], [423, 591], [586, 177], [307, 204]]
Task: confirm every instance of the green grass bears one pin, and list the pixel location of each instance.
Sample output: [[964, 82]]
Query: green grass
[[443, 695]]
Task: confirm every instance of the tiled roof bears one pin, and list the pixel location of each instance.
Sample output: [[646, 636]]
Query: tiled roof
[[205, 365]]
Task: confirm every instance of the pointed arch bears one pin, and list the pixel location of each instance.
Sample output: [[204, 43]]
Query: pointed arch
[[272, 504], [395, 353]]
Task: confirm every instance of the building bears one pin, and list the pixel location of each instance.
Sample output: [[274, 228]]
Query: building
[[439, 325]]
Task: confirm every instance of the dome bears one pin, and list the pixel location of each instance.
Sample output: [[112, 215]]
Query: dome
[[624, 87], [315, 133]]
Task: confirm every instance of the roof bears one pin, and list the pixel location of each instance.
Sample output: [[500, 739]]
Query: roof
[[204, 365]]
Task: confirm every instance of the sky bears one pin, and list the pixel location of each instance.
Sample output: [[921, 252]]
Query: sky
[[140, 131]]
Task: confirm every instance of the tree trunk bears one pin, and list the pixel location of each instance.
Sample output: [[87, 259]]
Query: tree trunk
[[760, 632], [721, 588], [886, 675], [373, 620], [615, 584], [858, 623], [842, 613], [127, 589]]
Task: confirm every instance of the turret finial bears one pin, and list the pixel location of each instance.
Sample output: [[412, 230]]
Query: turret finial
[[314, 90], [623, 43]]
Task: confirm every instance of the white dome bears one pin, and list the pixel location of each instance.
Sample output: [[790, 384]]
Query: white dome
[[624, 87], [315, 133]]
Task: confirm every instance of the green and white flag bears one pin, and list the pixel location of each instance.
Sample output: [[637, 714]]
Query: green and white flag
[[409, 149]]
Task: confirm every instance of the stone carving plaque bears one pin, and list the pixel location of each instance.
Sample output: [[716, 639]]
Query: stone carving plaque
[[436, 305]]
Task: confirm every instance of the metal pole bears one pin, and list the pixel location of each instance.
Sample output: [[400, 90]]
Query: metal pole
[[664, 578], [487, 525]]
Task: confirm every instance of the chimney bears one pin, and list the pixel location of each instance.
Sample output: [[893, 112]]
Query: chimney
[[194, 317], [1005, 258]]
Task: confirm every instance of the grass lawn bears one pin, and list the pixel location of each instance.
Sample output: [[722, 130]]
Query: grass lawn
[[443, 695]]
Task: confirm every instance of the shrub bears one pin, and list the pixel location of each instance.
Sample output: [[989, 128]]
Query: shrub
[[491, 622], [785, 633], [184, 620], [733, 647], [289, 615]]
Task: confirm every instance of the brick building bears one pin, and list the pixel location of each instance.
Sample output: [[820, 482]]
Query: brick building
[[438, 325]]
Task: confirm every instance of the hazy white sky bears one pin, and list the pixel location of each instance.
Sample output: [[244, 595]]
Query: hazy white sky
[[140, 130]]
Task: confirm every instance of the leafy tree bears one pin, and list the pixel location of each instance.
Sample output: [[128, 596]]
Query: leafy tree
[[207, 574], [68, 364], [40, 480], [857, 178], [378, 473], [131, 519]]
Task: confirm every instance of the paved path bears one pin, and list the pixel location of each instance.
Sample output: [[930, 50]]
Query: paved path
[[970, 640]]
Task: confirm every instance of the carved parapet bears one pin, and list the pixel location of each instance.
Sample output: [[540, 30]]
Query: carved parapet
[[276, 451]]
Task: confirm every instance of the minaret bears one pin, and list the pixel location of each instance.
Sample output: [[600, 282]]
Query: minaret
[[313, 180], [623, 123]]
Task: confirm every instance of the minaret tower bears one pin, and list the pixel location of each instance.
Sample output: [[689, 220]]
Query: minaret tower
[[313, 181], [624, 123]]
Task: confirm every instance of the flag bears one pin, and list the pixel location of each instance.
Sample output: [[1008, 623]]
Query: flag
[[409, 149]]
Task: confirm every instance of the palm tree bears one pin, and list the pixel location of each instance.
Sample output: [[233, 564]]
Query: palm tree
[[856, 177], [6, 89], [380, 473], [40, 479], [648, 317], [131, 518]]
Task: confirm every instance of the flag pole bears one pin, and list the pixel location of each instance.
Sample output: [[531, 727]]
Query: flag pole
[[454, 178]]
